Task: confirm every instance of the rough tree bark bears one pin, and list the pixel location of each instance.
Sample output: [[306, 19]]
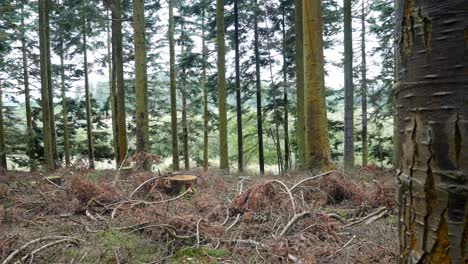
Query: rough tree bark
[[300, 122], [316, 126], [45, 97], [118, 75], [112, 99], [183, 91], [222, 94], [348, 89], [258, 85], [66, 141], [141, 80], [240, 148], [89, 118], [205, 97], [363, 85], [287, 152], [27, 99], [173, 90], [3, 156], [51, 93], [432, 102]]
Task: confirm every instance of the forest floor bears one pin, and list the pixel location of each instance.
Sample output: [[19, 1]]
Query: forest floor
[[95, 217]]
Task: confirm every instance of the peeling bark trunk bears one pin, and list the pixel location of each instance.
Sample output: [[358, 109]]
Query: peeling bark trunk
[[141, 80], [432, 103], [258, 85], [173, 90]]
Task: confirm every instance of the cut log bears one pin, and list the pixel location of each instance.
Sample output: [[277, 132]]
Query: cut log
[[178, 183]]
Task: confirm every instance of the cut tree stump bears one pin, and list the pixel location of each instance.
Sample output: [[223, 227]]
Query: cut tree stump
[[178, 183]]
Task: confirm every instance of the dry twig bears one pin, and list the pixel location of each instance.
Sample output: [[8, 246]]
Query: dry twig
[[32, 242], [292, 221], [310, 178]]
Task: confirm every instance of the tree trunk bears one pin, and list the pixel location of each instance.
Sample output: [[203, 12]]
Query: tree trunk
[[364, 85], [141, 80], [117, 67], [112, 99], [205, 97], [3, 156], [45, 106], [27, 99], [432, 102], [300, 120], [286, 104], [348, 89], [258, 84], [276, 115], [175, 143], [89, 118], [316, 124], [66, 142], [222, 94], [240, 149], [51, 94], [183, 91]]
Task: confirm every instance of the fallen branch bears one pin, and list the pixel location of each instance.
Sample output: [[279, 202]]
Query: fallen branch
[[377, 212], [35, 241], [143, 184], [51, 182], [345, 245], [34, 252], [288, 191], [372, 219], [246, 242], [227, 216], [138, 202], [337, 217], [198, 231], [292, 221], [311, 178], [233, 223]]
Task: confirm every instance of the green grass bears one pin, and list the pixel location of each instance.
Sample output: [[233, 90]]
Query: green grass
[[101, 248], [95, 175]]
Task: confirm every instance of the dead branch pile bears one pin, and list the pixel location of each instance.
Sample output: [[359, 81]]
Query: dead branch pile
[[255, 198], [270, 221]]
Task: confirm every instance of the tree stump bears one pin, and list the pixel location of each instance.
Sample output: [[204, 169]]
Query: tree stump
[[178, 183]]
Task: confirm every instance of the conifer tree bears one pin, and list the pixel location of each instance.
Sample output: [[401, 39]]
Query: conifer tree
[[222, 94], [141, 80]]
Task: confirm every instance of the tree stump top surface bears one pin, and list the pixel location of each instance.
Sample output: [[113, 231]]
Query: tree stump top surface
[[182, 178]]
